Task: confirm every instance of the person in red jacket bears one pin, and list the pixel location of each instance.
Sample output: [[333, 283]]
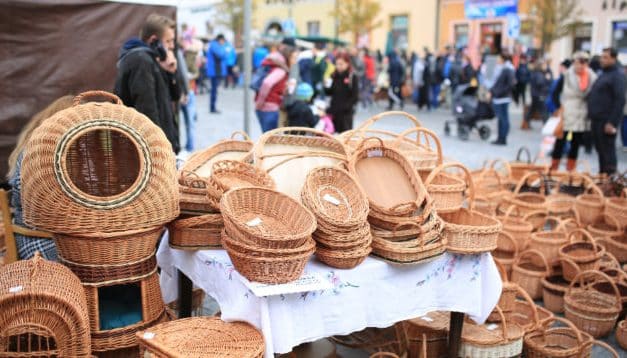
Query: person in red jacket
[[270, 95], [369, 79]]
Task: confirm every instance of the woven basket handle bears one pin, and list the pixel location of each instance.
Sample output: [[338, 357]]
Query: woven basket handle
[[569, 261], [426, 133], [567, 323], [580, 279], [537, 253], [521, 151], [612, 259], [369, 139], [509, 210], [243, 134], [590, 185], [606, 346], [384, 355], [526, 177], [289, 157], [469, 181], [503, 323], [96, 96], [584, 235], [505, 165], [509, 237], [258, 148], [372, 120], [190, 179], [529, 300], [502, 272]]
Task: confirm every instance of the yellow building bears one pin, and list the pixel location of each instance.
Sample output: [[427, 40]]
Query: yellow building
[[407, 24]]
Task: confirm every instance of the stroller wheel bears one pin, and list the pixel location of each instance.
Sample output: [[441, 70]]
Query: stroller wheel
[[484, 132], [447, 129], [463, 132]]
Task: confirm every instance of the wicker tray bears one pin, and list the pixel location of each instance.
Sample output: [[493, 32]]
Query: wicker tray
[[196, 232], [202, 161]]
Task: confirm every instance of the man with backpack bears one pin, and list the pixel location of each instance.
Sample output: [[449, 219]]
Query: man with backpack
[[216, 68]]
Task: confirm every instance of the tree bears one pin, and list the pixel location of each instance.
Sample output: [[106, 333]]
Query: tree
[[357, 17], [232, 12], [555, 19]]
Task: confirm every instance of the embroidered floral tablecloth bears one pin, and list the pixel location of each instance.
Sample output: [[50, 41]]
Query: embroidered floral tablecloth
[[374, 294]]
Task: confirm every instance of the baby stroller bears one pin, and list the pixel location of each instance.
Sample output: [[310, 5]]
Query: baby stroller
[[468, 109]]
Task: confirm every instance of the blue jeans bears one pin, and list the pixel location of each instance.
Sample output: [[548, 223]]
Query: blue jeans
[[502, 114], [435, 96], [623, 131], [215, 83], [189, 115], [267, 120]]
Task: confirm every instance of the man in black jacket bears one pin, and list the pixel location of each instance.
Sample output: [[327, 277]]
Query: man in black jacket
[[144, 74], [605, 109], [540, 80]]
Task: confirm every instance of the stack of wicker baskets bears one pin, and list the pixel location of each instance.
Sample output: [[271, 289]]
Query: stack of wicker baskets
[[102, 178], [43, 311], [267, 234], [405, 227], [341, 210]]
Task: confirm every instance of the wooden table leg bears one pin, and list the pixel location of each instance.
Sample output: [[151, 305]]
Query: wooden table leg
[[185, 296], [455, 334]]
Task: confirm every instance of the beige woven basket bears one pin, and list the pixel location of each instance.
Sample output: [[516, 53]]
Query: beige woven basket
[[529, 275], [196, 232], [547, 342], [617, 207], [423, 156], [230, 174], [201, 337], [519, 168], [554, 287], [42, 303], [517, 227], [621, 334], [424, 248], [586, 255], [590, 206], [201, 162], [447, 191], [481, 341], [98, 167]]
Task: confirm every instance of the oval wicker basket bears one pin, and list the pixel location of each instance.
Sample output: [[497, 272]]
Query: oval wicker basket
[[554, 288], [256, 251], [43, 303], [446, 190], [201, 162], [98, 167], [266, 218], [196, 232], [483, 341], [546, 341], [621, 334], [590, 206], [230, 174], [529, 275], [585, 254], [201, 337], [197, 194], [424, 248], [617, 207], [421, 154], [616, 245], [590, 310], [517, 227], [346, 259]]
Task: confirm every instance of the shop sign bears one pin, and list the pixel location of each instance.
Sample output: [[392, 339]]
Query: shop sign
[[485, 9]]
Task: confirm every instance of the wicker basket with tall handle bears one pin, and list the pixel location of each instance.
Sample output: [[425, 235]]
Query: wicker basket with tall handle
[[529, 275], [585, 254], [98, 167], [423, 156], [447, 191], [545, 341], [590, 206]]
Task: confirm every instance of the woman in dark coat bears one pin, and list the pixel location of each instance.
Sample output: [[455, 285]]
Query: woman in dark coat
[[344, 92]]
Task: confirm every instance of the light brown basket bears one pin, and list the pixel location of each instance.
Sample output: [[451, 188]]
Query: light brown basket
[[427, 336], [617, 207], [560, 204], [517, 227], [585, 254], [197, 194], [523, 311], [529, 275], [352, 138], [358, 238], [519, 168], [230, 174], [505, 253], [552, 342], [391, 184], [346, 259], [288, 154], [424, 248], [621, 285], [418, 227], [616, 245], [201, 337], [108, 248], [335, 198], [481, 341], [256, 251], [423, 156], [446, 191], [42, 303], [548, 243], [590, 206], [621, 334], [389, 339], [201, 162], [607, 227], [98, 167], [191, 232], [272, 270], [489, 179], [554, 288], [266, 218], [590, 310]]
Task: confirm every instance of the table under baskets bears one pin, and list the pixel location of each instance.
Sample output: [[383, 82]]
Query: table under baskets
[[374, 294]]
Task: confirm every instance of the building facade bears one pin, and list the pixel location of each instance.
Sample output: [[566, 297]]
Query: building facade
[[405, 24]]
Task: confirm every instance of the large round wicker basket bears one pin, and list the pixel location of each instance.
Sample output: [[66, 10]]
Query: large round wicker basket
[[42, 303], [98, 167]]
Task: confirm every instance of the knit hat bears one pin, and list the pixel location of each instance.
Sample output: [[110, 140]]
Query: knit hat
[[304, 92]]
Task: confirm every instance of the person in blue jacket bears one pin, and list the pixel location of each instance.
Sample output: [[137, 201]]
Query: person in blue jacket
[[216, 68], [231, 65], [260, 54]]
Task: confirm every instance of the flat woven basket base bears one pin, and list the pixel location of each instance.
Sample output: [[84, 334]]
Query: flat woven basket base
[[203, 337], [385, 182], [204, 171]]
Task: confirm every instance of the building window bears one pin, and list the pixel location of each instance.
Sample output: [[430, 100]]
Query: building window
[[400, 29], [461, 35], [313, 28], [619, 36], [582, 40], [491, 36]]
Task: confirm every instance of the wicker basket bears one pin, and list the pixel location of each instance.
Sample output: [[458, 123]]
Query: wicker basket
[[616, 245], [470, 232], [201, 337], [447, 191], [552, 342], [528, 275], [527, 314], [197, 194], [554, 287], [201, 162], [519, 168], [608, 226], [98, 167], [346, 259], [389, 339], [98, 249], [42, 303], [517, 227], [505, 253], [621, 334], [353, 138], [230, 174], [289, 154], [585, 254], [266, 218], [590, 310], [390, 182], [548, 243], [269, 266], [190, 232], [426, 247], [427, 336], [423, 156], [590, 206], [483, 341], [617, 208]]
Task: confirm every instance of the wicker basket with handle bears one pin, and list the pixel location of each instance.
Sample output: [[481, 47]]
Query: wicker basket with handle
[[554, 287], [424, 248], [428, 334], [585, 254], [621, 334], [617, 207], [590, 206], [517, 227], [529, 275], [608, 226], [616, 245], [485, 341], [229, 174], [506, 252], [423, 156], [196, 232], [521, 167], [202, 161], [590, 310], [447, 191], [549, 242], [98, 167], [545, 341]]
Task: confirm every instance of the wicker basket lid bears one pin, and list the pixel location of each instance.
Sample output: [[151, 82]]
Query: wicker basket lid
[[203, 337], [98, 167]]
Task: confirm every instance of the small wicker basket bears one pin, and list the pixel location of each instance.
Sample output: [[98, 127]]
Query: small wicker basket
[[590, 206], [446, 190], [484, 341], [529, 275], [196, 232], [621, 334], [586, 255]]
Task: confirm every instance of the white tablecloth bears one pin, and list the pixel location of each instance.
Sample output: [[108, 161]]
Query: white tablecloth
[[374, 294]]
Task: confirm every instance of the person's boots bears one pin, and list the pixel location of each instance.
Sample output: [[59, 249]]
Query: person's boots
[[571, 165], [555, 164]]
